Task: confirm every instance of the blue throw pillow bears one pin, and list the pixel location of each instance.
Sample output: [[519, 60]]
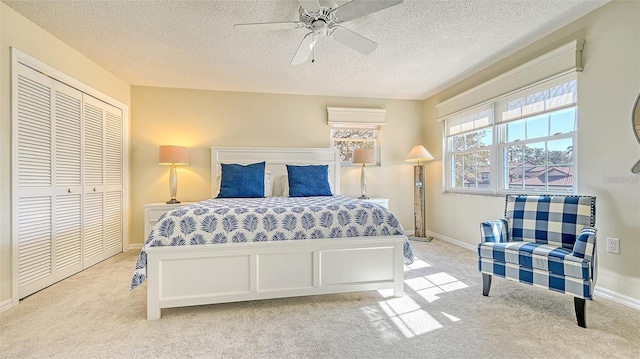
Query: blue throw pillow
[[307, 181], [240, 181]]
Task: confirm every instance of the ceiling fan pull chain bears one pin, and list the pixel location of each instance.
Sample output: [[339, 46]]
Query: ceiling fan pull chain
[[313, 50]]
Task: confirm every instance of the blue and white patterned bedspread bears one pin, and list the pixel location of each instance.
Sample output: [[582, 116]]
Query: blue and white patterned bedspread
[[269, 219]]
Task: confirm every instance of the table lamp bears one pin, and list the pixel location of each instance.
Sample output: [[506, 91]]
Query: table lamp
[[174, 156], [364, 156]]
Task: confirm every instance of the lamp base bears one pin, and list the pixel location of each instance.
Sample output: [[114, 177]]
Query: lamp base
[[363, 197], [173, 201]]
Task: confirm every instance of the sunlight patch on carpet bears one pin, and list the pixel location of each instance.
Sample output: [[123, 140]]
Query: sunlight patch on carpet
[[450, 317], [417, 264], [408, 316]]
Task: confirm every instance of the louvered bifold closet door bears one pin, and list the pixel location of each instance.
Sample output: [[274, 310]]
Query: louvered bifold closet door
[[94, 175], [114, 225], [33, 181], [68, 180]]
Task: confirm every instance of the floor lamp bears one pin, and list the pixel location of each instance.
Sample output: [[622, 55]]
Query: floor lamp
[[419, 154]]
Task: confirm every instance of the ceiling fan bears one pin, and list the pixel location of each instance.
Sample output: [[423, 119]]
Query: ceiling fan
[[324, 17]]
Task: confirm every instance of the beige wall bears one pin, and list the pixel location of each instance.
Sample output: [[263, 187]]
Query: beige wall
[[607, 148], [16, 31], [200, 119]]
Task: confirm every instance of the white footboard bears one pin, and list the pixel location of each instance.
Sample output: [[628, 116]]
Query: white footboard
[[206, 274]]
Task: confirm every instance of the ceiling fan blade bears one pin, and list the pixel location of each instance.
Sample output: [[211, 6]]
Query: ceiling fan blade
[[357, 8], [268, 26], [304, 50], [352, 40], [310, 6]]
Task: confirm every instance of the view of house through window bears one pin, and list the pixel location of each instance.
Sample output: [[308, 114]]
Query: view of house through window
[[523, 142], [347, 138]]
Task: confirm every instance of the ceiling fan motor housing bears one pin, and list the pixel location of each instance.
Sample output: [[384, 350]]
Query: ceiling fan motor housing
[[319, 27]]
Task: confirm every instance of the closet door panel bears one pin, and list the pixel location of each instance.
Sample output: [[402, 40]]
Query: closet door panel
[[93, 180], [67, 222], [34, 244], [93, 228], [114, 177], [33, 181]]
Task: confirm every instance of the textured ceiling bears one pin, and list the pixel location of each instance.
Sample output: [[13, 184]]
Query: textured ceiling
[[424, 46]]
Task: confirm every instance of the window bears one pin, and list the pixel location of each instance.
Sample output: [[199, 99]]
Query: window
[[470, 141], [348, 137], [523, 142], [353, 128]]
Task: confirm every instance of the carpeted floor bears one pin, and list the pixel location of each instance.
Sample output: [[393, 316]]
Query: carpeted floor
[[443, 315]]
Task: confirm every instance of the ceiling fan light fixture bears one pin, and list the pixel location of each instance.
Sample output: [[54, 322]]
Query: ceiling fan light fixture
[[323, 17]]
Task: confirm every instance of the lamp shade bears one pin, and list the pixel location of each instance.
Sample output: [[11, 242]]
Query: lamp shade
[[418, 153], [364, 155], [173, 155]]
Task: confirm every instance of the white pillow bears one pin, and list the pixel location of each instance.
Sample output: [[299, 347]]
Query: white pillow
[[268, 184]]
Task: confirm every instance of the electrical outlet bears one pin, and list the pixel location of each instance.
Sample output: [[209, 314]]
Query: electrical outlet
[[613, 245]]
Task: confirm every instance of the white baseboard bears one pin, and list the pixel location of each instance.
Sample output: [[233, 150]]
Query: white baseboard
[[617, 297], [6, 305], [600, 292], [453, 241]]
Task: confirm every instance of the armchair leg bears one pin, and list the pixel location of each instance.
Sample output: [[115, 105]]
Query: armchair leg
[[581, 312], [486, 284]]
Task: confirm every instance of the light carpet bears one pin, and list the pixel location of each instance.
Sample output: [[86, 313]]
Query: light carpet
[[443, 315]]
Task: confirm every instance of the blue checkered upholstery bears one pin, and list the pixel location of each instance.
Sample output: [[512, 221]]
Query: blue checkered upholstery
[[544, 240]]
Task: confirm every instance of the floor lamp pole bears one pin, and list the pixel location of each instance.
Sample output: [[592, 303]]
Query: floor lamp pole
[[418, 204], [418, 199]]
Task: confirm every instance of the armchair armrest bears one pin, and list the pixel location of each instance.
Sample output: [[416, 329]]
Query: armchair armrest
[[495, 231], [585, 245]]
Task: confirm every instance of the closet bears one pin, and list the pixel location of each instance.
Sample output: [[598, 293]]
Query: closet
[[68, 176]]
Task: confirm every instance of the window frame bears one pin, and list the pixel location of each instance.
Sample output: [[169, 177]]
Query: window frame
[[499, 182]]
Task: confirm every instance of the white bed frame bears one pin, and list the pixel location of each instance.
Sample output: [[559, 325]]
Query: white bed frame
[[232, 272]]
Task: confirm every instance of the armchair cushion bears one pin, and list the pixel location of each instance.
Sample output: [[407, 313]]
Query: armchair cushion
[[544, 257]]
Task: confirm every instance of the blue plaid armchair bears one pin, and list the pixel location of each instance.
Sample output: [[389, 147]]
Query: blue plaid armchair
[[544, 240]]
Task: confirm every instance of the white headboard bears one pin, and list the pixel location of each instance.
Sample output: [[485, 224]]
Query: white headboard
[[276, 160]]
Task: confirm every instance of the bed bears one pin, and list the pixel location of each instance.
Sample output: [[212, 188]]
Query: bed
[[239, 249]]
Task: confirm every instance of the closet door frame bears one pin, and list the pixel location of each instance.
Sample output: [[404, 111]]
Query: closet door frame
[[17, 57]]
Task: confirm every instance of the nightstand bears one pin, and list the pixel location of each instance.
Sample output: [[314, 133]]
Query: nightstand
[[153, 211], [384, 202]]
